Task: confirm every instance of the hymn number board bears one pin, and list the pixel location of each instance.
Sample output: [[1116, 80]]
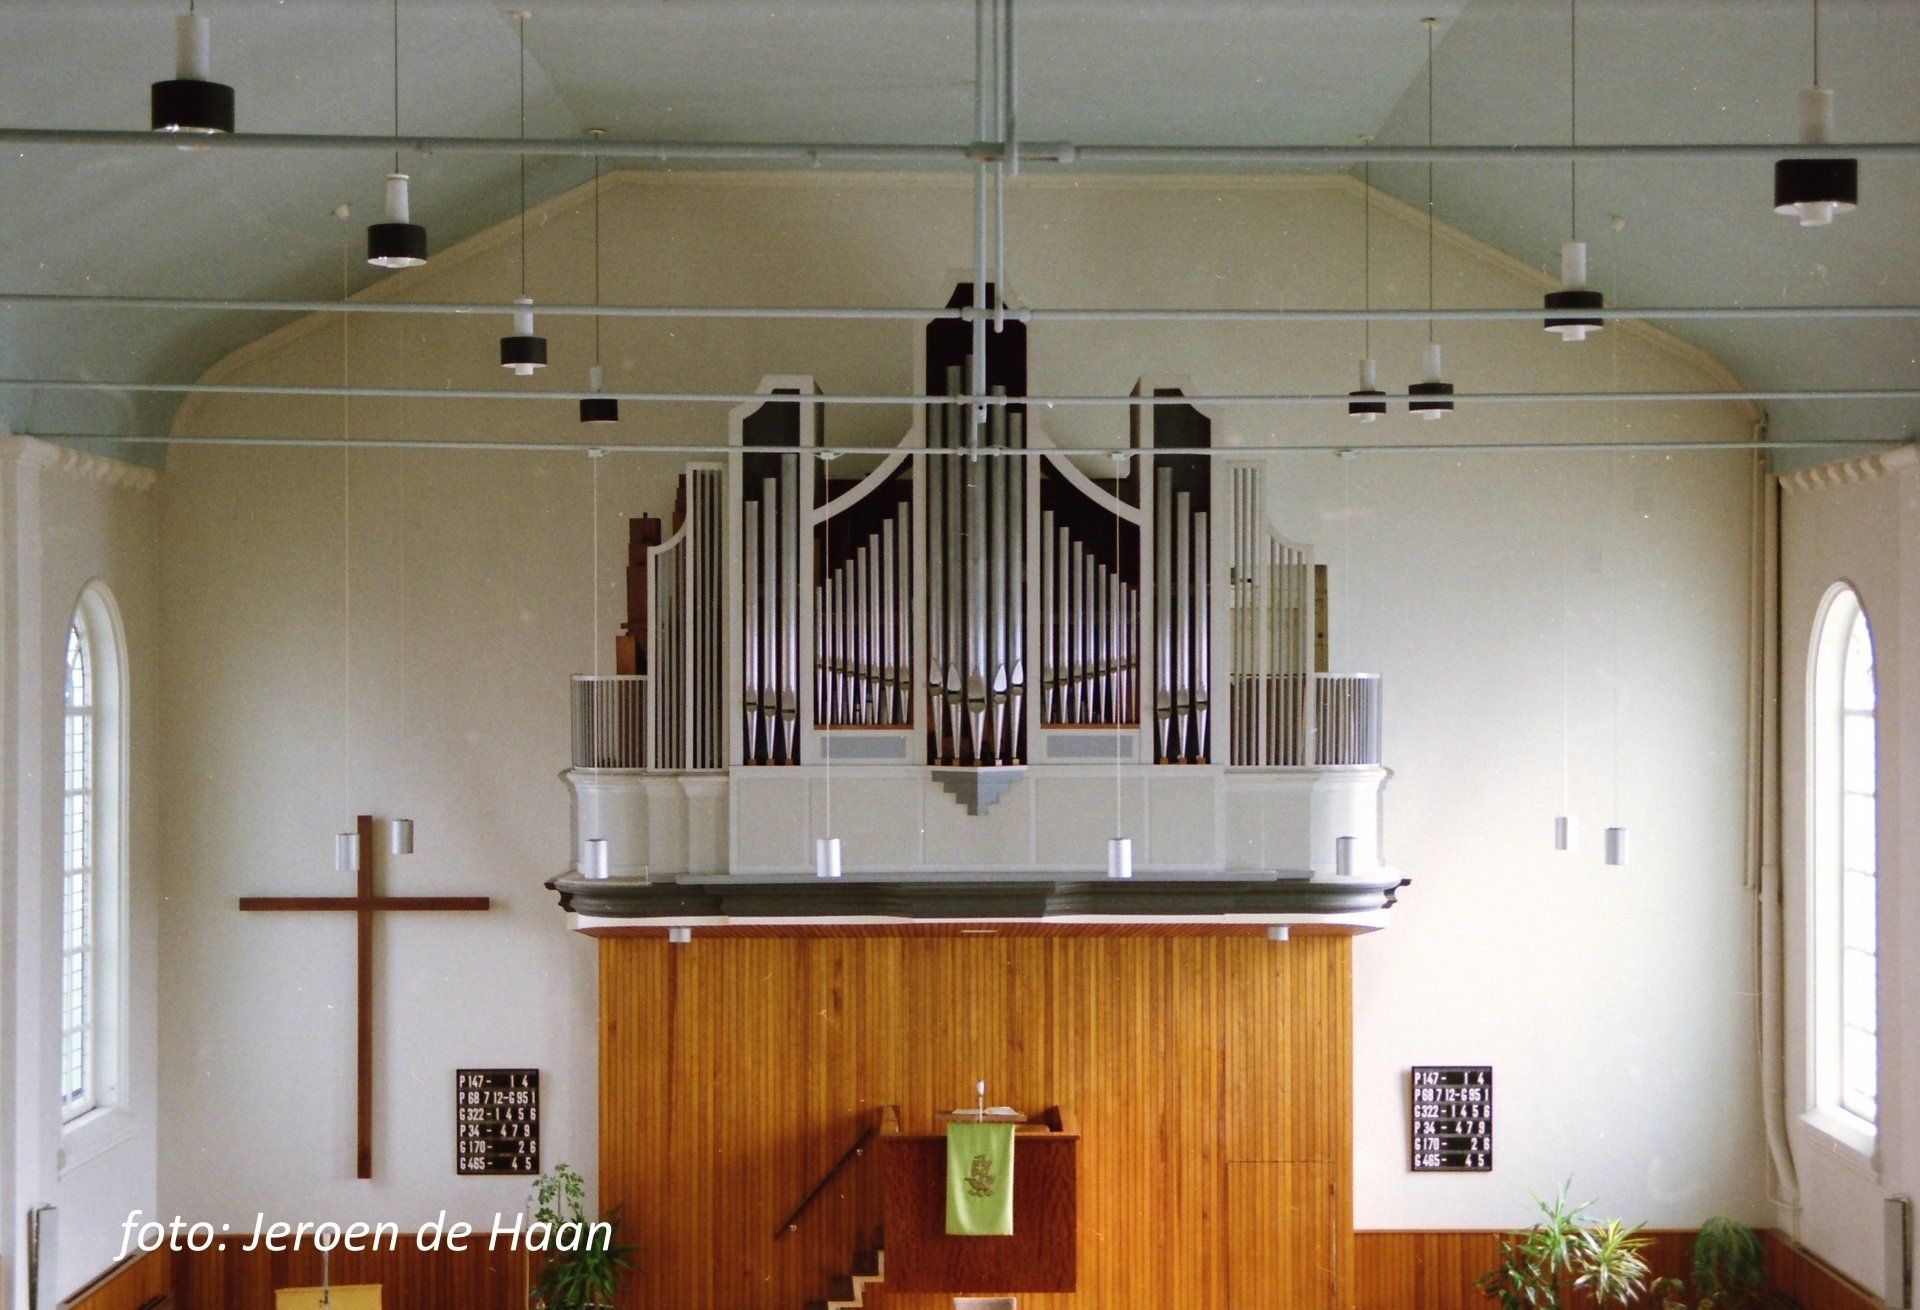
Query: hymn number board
[[1452, 1126], [497, 1118]]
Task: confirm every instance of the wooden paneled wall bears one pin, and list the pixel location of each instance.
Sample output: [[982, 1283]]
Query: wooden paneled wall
[[411, 1279], [1810, 1281], [1211, 1076], [1435, 1270], [129, 1285]]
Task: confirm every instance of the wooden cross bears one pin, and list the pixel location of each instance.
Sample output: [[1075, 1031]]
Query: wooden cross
[[364, 904]]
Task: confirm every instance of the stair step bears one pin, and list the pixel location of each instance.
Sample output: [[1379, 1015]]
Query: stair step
[[866, 1264], [840, 1288]]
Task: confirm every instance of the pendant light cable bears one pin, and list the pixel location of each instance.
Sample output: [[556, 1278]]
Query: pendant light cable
[[1573, 118], [523, 154], [1816, 42], [346, 542], [596, 258], [1366, 257], [1429, 26], [396, 86]]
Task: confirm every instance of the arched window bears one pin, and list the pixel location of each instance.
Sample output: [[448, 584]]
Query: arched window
[[1843, 811], [92, 933]]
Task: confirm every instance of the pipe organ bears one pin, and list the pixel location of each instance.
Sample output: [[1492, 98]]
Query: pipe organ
[[833, 641]]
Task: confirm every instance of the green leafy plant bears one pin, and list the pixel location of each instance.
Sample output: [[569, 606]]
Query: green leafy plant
[[587, 1277], [1729, 1270], [1540, 1265]]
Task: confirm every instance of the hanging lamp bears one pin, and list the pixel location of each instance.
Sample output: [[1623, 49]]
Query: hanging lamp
[[1369, 402], [523, 353], [1427, 397], [192, 102], [1815, 190], [399, 242], [1574, 294], [597, 408]]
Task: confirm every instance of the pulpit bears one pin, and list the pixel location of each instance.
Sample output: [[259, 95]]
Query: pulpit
[[1042, 1254]]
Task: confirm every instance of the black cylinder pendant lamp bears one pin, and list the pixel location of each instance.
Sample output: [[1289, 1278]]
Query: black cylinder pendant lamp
[[1816, 191], [399, 242], [522, 353], [596, 408], [1574, 294], [192, 103]]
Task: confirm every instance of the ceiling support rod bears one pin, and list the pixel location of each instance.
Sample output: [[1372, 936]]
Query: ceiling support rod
[[830, 155], [910, 313], [1341, 398], [1000, 452]]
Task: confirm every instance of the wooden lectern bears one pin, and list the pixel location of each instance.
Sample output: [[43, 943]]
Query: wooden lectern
[[1042, 1255]]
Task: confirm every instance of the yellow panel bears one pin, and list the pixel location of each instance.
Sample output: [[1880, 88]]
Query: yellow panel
[[358, 1296]]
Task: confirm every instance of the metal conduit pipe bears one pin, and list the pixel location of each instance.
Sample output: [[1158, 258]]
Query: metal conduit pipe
[[952, 157], [961, 452], [980, 402], [1489, 314]]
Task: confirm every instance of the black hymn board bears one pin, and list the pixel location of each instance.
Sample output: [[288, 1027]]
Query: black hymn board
[[1452, 1124], [497, 1121]]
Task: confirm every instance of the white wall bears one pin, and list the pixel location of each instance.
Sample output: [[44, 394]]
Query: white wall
[[67, 519], [1857, 522], [471, 586]]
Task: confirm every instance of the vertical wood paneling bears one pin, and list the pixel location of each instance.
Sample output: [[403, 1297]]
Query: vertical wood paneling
[[131, 1285], [1211, 1078], [1435, 1270], [409, 1278]]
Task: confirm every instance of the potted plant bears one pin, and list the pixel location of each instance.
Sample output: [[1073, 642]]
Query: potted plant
[[1540, 1265], [1728, 1271], [588, 1276]]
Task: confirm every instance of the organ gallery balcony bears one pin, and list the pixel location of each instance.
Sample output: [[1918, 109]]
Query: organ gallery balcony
[[975, 675]]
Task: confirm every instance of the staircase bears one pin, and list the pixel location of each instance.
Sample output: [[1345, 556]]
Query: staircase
[[846, 1291]]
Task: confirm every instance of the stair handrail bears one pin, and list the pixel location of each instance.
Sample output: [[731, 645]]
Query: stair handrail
[[847, 1156]]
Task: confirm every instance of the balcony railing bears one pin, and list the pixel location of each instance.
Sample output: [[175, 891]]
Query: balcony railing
[[610, 722]]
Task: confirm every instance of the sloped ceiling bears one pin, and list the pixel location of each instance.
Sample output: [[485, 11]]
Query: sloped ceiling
[[259, 224]]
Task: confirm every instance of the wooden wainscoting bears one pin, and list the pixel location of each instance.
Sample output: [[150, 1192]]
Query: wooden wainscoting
[[411, 1279], [128, 1285], [1435, 1270], [1211, 1077], [1810, 1281]]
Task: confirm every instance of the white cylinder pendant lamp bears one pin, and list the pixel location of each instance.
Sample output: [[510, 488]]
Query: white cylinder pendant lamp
[[192, 103], [523, 353], [594, 407], [400, 837], [1278, 932], [1369, 402], [679, 936], [1428, 396], [594, 861], [1574, 295], [1815, 191], [1120, 857], [399, 242], [826, 857], [1566, 832], [346, 852], [1616, 846]]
